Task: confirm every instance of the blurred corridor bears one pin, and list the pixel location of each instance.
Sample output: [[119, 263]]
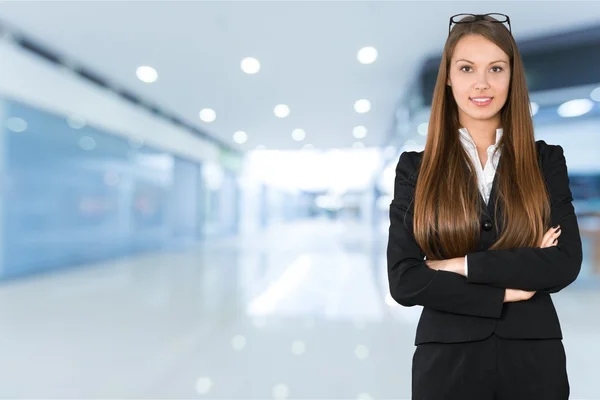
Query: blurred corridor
[[178, 220]]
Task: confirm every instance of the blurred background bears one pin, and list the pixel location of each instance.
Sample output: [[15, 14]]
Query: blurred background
[[195, 195]]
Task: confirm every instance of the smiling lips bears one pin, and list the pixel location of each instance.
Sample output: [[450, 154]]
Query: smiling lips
[[481, 101]]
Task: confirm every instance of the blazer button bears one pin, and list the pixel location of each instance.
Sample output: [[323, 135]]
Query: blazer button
[[487, 225]]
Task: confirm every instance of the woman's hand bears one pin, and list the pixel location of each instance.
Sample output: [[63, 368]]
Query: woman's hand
[[435, 264], [512, 295], [550, 239]]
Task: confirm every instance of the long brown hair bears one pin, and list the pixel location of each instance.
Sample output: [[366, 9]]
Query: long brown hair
[[447, 202]]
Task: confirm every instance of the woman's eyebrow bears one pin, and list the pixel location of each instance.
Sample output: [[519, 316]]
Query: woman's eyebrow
[[471, 62]]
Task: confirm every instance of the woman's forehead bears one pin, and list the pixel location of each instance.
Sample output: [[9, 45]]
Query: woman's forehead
[[478, 50]]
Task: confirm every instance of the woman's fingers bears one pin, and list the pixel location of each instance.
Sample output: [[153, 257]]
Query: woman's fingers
[[551, 237], [512, 295]]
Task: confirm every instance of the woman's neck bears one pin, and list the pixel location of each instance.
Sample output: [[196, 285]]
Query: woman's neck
[[483, 133]]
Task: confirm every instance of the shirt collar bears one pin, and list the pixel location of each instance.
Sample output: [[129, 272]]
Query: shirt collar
[[465, 136]]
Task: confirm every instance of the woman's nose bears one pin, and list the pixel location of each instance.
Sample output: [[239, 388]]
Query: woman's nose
[[482, 82]]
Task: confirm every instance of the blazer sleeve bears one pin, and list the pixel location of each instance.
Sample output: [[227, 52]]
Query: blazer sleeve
[[549, 269], [411, 281]]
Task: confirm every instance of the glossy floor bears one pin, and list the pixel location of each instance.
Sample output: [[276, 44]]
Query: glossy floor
[[299, 311]]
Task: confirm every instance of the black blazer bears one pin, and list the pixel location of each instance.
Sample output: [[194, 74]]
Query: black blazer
[[462, 309]]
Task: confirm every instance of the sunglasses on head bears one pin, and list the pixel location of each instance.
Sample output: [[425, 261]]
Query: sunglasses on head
[[468, 18]]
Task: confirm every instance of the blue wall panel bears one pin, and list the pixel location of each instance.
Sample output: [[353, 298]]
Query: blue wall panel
[[76, 194]]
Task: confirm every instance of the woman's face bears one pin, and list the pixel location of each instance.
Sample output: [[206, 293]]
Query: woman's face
[[479, 75]]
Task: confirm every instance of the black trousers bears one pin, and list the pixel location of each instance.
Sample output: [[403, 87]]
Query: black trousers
[[491, 369]]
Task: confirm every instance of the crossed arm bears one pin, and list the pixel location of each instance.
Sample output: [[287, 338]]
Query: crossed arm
[[490, 272]]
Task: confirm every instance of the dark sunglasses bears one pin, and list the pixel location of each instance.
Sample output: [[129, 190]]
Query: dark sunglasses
[[468, 18]]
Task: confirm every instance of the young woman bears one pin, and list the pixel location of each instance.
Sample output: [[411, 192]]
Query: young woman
[[485, 204]]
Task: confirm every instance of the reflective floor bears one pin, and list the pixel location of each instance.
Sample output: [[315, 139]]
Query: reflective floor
[[300, 311]]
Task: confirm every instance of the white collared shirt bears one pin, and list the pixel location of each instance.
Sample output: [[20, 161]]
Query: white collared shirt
[[485, 175]]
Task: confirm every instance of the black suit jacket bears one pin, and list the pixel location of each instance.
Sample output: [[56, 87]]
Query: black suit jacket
[[462, 309]]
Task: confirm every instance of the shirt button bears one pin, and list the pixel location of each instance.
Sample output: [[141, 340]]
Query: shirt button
[[487, 225]]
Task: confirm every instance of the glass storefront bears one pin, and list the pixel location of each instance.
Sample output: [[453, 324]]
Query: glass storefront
[[74, 194]]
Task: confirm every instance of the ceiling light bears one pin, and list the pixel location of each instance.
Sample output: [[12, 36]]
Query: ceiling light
[[359, 132], [208, 115], [76, 121], [298, 135], [422, 128], [534, 108], [250, 65], [362, 106], [87, 143], [16, 124], [575, 108], [146, 74], [281, 110], [595, 95], [367, 55], [240, 137]]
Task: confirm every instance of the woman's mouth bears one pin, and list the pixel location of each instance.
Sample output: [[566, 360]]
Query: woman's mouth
[[481, 101]]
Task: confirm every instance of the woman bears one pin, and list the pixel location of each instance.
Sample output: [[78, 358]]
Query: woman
[[485, 204]]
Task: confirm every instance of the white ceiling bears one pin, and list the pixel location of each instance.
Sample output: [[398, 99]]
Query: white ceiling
[[307, 52]]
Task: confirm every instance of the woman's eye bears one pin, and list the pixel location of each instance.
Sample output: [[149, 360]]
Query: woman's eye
[[495, 69]]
